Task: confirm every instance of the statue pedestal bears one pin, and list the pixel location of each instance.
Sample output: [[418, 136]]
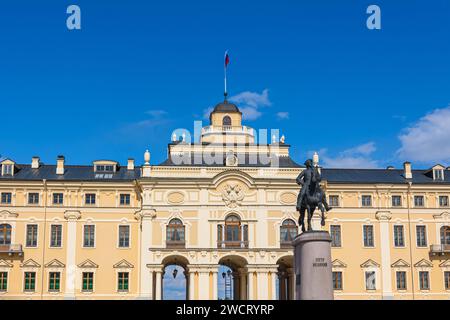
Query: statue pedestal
[[312, 263]]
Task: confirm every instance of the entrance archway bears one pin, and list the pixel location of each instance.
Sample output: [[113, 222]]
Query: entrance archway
[[175, 278], [286, 278], [232, 278]]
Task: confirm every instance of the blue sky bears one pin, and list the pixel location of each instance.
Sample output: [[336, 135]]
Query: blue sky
[[139, 69]]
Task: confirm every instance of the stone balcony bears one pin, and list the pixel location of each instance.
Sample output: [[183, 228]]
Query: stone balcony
[[11, 249], [439, 249]]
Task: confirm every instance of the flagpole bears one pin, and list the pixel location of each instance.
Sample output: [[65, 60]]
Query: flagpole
[[225, 81]]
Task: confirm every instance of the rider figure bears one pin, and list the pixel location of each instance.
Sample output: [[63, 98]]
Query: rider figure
[[305, 178]]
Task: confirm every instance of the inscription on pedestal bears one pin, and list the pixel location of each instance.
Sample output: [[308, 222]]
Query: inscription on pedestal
[[320, 262]]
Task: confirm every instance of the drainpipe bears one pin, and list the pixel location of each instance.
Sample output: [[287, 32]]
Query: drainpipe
[[410, 240], [44, 181]]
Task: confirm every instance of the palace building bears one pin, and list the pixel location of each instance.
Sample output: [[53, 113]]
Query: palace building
[[110, 231]]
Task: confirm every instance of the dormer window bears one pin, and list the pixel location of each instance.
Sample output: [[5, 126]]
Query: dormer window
[[7, 167], [105, 166], [438, 174]]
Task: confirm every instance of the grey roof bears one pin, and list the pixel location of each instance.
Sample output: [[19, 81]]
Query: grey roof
[[71, 173], [197, 160], [226, 107], [381, 176]]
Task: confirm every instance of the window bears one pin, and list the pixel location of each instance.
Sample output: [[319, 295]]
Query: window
[[58, 198], [445, 235], [124, 236], [447, 280], [232, 228], [55, 235], [401, 280], [335, 232], [8, 169], [54, 281], [33, 198], [89, 236], [3, 281], [421, 236], [90, 198], [438, 174], [443, 201], [366, 201], [396, 201], [32, 230], [122, 281], [399, 240], [334, 201], [124, 199], [226, 121], [6, 197], [175, 232], [370, 280], [30, 281], [88, 281], [104, 168], [424, 280], [368, 236], [418, 201], [337, 280], [219, 233], [288, 231], [5, 234]]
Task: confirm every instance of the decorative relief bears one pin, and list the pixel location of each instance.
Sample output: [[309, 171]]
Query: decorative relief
[[232, 195], [288, 198], [175, 197]]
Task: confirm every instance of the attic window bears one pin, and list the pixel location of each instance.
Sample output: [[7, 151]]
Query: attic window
[[104, 168], [7, 169], [438, 174]]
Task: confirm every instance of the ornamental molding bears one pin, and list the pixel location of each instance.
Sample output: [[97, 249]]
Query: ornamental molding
[[123, 264], [5, 214], [145, 214], [338, 264], [370, 264], [72, 215], [423, 264], [383, 215], [445, 264], [30, 263], [233, 195], [5, 264], [88, 264], [442, 216]]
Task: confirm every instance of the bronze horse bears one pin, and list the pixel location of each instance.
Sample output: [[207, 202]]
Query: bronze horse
[[313, 198]]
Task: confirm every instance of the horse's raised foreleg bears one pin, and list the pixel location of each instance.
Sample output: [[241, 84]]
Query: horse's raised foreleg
[[301, 219], [310, 213]]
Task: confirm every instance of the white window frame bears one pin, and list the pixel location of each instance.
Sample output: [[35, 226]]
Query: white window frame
[[95, 236], [50, 236], [118, 235]]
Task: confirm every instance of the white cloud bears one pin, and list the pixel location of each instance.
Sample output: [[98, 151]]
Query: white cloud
[[427, 140], [358, 157], [283, 115], [156, 113]]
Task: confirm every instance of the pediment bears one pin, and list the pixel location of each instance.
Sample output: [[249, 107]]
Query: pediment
[[5, 264], [55, 263], [338, 264], [444, 216], [88, 264], [370, 263], [30, 263], [123, 264], [444, 264], [400, 263], [423, 264]]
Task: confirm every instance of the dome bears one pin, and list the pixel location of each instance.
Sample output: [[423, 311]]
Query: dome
[[226, 107]]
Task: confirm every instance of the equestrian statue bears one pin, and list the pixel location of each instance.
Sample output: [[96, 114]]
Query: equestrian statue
[[311, 195]]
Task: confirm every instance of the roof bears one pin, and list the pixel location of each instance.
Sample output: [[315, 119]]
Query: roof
[[380, 176], [197, 160], [71, 173], [226, 107]]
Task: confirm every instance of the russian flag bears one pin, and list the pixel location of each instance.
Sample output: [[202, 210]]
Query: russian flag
[[227, 59]]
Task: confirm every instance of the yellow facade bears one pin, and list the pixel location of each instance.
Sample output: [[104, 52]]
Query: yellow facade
[[117, 225]]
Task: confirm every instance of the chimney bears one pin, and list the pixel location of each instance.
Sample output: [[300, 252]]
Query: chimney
[[407, 170], [60, 165], [35, 162], [130, 164]]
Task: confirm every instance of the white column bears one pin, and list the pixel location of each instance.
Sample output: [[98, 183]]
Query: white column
[[273, 276], [291, 275], [263, 284], [215, 284], [243, 284], [145, 218], [158, 287], [71, 270], [191, 284], [383, 218], [250, 285]]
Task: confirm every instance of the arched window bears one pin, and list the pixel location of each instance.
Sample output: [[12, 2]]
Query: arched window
[[5, 234], [288, 231], [226, 121], [232, 229], [445, 235], [175, 233]]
